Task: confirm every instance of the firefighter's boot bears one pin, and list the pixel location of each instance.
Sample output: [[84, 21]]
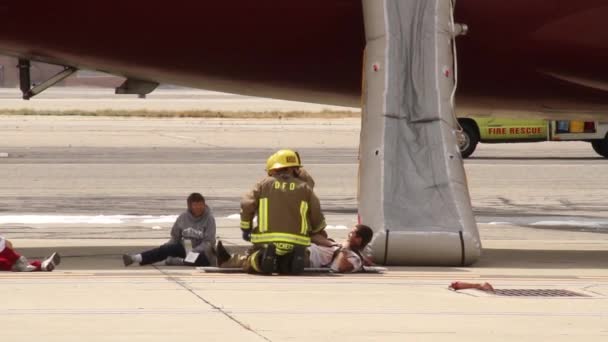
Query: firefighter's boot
[[269, 259], [222, 253], [298, 259]]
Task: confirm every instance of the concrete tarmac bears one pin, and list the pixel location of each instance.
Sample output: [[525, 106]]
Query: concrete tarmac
[[541, 208]]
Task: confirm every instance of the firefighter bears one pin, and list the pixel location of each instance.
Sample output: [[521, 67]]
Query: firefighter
[[288, 213], [299, 171]]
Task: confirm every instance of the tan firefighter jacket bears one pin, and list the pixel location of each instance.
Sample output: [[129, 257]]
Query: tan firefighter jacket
[[288, 211]]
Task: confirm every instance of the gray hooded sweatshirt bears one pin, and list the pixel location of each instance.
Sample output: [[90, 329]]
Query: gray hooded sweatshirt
[[205, 224]]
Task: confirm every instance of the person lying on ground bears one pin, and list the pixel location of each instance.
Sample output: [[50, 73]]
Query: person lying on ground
[[323, 252], [197, 225], [11, 260], [342, 258]]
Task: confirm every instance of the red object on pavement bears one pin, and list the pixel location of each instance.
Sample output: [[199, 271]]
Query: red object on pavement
[[459, 285]]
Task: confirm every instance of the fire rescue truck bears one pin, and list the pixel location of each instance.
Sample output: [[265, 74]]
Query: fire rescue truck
[[497, 130]]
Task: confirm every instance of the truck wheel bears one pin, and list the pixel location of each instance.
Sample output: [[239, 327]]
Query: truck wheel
[[601, 147], [471, 138]]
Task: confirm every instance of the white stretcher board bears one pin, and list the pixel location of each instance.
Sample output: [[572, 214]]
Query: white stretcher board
[[211, 269]]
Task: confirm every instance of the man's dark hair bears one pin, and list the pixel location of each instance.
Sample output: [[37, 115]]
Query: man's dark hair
[[195, 197], [365, 233]]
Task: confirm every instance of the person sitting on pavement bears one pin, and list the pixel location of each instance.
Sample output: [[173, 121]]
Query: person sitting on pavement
[[196, 224], [340, 258], [11, 260]]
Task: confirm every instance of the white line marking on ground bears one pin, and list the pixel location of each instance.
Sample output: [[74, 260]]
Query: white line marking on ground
[[80, 219], [568, 223]]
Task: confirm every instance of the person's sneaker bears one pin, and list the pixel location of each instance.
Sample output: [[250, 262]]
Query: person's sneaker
[[297, 259], [127, 259], [49, 263], [222, 253], [269, 259], [47, 267], [174, 261]]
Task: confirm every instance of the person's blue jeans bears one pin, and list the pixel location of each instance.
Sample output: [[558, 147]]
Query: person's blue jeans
[[170, 250]]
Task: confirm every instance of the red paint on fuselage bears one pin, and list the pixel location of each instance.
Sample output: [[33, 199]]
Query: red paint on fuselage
[[513, 47], [312, 50]]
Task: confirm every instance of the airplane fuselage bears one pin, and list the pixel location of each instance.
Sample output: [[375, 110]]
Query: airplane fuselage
[[545, 56]]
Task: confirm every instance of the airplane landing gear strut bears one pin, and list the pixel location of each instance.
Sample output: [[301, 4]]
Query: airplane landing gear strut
[[25, 83]]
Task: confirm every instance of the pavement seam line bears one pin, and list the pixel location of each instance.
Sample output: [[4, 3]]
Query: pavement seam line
[[187, 288]]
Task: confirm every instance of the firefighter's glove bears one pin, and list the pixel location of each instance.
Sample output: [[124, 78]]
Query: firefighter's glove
[[191, 233], [246, 234]]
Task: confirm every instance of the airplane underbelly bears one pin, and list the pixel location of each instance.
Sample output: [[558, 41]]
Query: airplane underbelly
[[256, 47], [312, 50]]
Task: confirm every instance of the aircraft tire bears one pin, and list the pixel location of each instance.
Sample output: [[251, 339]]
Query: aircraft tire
[[471, 139], [601, 147]]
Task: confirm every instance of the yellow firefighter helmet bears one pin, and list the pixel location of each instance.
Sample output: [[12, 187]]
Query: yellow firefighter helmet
[[282, 159]]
